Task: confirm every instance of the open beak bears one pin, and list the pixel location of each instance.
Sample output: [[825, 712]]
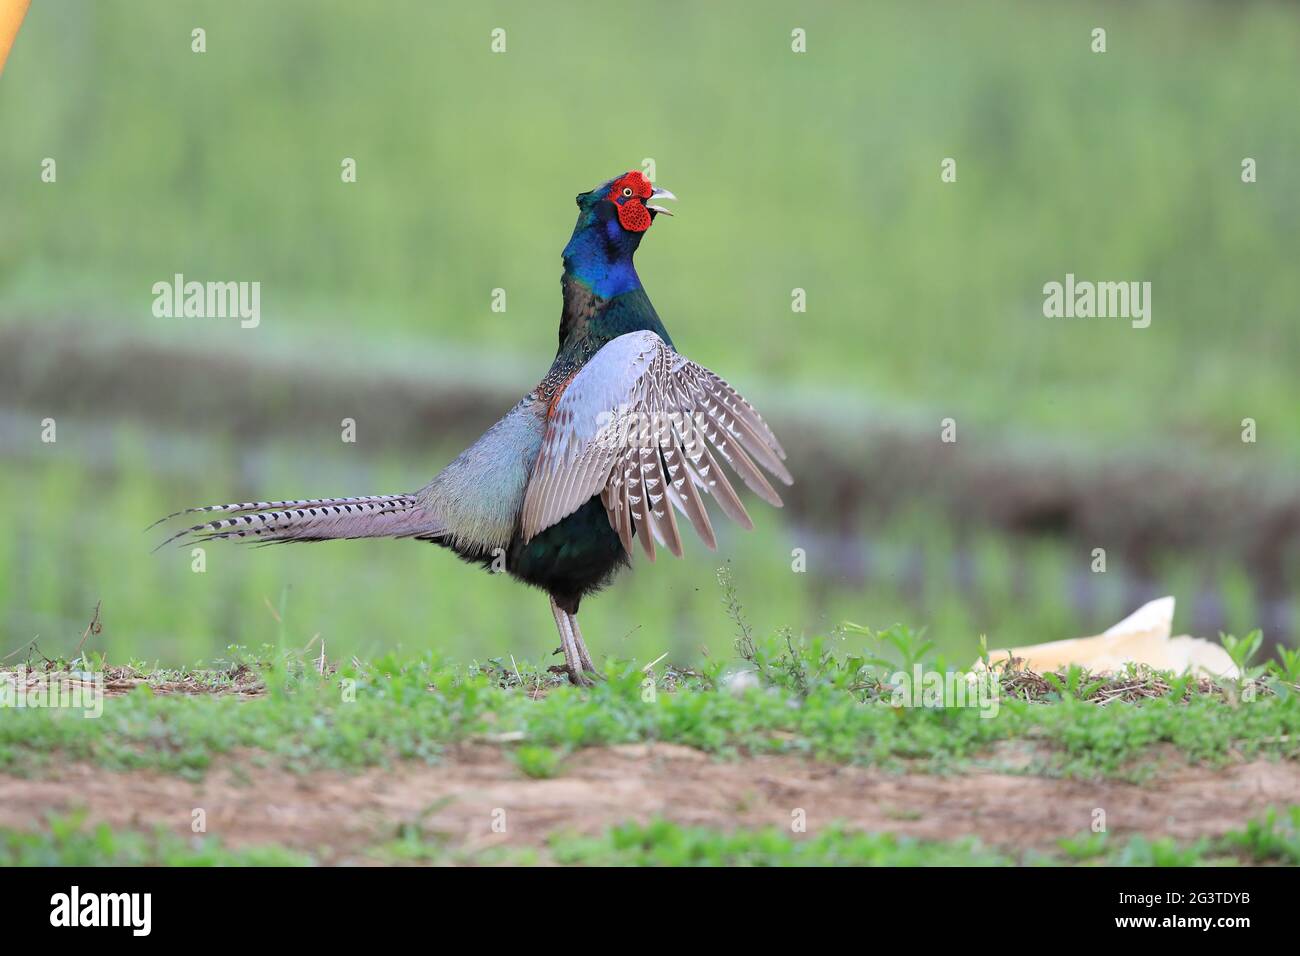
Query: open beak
[[658, 193]]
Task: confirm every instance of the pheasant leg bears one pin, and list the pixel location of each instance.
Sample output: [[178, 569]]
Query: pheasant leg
[[583, 654], [572, 660]]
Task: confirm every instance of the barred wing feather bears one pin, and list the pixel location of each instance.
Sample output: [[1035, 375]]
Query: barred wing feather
[[647, 429]]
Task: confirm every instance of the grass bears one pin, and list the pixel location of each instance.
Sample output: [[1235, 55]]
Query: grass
[[803, 700], [1274, 839], [67, 841], [301, 712]]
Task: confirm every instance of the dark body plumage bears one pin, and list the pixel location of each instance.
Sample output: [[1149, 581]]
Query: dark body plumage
[[557, 490], [570, 559]]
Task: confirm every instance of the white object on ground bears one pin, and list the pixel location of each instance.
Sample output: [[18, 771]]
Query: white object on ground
[[1141, 638]]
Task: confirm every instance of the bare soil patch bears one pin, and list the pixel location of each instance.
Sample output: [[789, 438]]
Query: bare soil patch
[[249, 801]]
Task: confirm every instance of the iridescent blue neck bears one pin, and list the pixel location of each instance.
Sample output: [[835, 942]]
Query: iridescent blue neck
[[599, 254]]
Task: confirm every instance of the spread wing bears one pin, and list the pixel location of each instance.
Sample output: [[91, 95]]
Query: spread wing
[[647, 429]]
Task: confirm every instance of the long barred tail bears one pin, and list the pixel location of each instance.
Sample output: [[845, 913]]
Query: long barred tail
[[314, 519]]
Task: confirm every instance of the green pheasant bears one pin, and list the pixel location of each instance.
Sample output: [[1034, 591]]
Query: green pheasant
[[620, 434]]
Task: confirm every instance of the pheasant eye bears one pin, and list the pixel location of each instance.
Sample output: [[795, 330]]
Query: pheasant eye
[[627, 191]]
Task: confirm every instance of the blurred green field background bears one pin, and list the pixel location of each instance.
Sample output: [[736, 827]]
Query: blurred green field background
[[366, 597], [818, 171]]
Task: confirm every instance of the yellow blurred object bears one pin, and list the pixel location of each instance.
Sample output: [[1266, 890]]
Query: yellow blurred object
[[11, 18], [1142, 638]]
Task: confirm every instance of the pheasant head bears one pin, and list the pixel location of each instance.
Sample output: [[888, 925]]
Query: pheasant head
[[612, 218]]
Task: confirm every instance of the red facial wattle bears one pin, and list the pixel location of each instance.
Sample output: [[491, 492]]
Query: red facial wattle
[[632, 213]]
